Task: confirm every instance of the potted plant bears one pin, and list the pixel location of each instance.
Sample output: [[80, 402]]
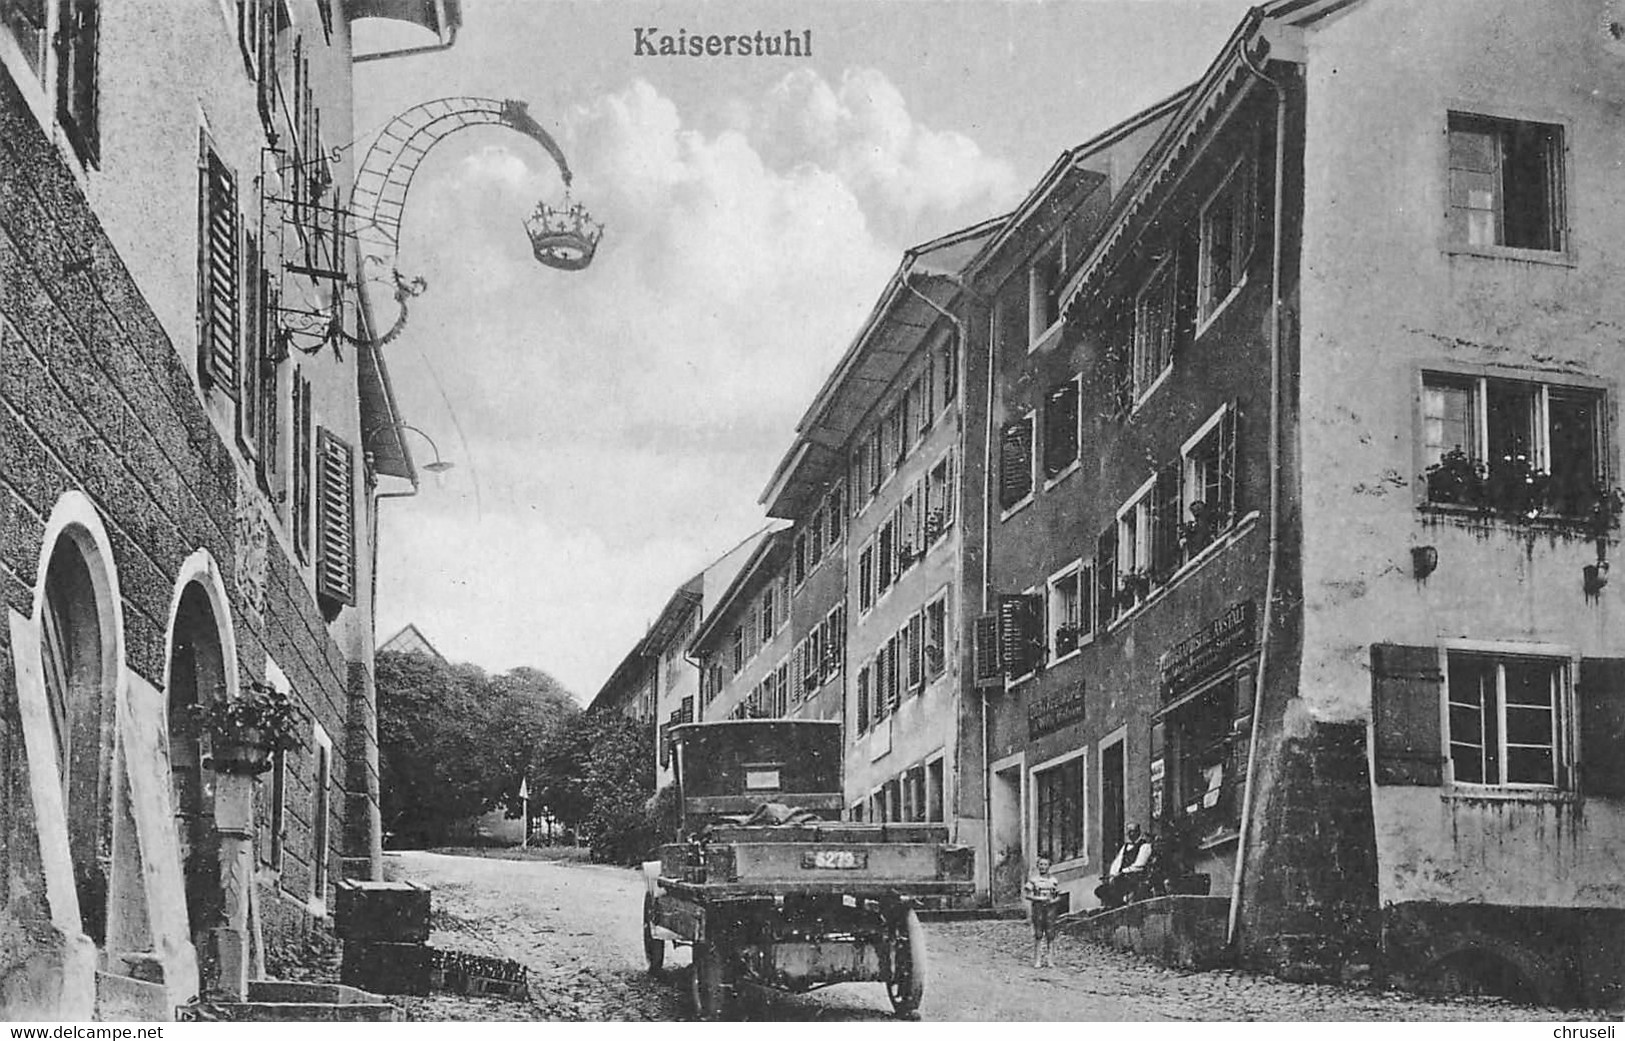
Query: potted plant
[[245, 731], [1456, 480], [1066, 637], [1133, 588]]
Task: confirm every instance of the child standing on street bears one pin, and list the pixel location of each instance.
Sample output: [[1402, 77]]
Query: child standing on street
[[1043, 893]]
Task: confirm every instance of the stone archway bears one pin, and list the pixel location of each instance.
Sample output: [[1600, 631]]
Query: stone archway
[[79, 690], [197, 676]]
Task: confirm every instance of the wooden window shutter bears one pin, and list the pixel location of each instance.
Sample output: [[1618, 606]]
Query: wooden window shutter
[[1106, 576], [1602, 727], [1229, 504], [270, 419], [863, 699], [893, 668], [77, 89], [250, 346], [986, 666], [1165, 521], [1016, 463], [219, 279], [1406, 687], [1020, 632], [302, 454], [335, 562]]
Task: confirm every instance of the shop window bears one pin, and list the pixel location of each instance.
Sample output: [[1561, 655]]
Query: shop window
[[1506, 183], [1518, 447], [1201, 735], [1058, 810]]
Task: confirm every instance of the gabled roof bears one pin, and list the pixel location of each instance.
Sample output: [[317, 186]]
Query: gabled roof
[[893, 331], [410, 640], [1262, 33]]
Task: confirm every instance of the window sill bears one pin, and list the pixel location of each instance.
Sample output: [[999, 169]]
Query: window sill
[[1235, 534], [1463, 791], [1141, 398], [1074, 864], [1548, 257], [1069, 655], [1213, 315], [1071, 468], [1011, 511], [1479, 517], [1045, 338]]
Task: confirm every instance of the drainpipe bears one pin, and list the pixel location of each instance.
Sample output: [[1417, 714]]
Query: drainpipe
[[1275, 491]]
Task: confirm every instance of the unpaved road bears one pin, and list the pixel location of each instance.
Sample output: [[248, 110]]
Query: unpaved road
[[577, 928]]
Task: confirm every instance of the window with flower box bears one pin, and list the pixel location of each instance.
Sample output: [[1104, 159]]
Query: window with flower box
[[1069, 622], [1520, 448], [1208, 494]]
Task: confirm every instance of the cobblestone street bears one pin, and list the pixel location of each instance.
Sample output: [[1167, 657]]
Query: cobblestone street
[[576, 927]]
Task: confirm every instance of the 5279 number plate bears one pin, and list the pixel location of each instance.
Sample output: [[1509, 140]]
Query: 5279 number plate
[[835, 859]]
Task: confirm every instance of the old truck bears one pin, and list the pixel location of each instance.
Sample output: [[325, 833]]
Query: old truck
[[769, 887]]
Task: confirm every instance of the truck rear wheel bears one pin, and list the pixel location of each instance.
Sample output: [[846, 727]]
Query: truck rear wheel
[[710, 982], [654, 950], [906, 988]]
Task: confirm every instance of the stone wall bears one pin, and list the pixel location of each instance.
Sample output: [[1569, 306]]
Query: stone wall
[[95, 399]]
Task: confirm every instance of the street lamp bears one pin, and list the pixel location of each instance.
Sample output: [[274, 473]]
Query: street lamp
[[439, 466]]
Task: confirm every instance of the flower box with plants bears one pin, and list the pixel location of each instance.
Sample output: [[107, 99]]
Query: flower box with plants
[[1512, 488], [1066, 637], [246, 731], [1132, 588]]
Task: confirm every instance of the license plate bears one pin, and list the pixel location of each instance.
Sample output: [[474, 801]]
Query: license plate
[[835, 859]]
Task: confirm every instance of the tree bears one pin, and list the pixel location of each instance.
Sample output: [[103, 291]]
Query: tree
[[454, 742], [595, 774]]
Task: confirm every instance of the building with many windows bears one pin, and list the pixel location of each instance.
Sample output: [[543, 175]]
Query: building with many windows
[[187, 479], [1304, 488]]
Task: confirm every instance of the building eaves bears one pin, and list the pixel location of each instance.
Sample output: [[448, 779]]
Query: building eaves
[[888, 337], [1226, 77], [768, 553]]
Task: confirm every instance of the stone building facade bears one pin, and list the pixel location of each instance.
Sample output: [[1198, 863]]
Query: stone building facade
[[187, 469]]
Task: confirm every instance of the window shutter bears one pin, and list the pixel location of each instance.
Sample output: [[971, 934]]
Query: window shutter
[[892, 684], [1106, 576], [335, 564], [1229, 505], [270, 430], [1406, 685], [1020, 632], [1016, 463], [251, 343], [1602, 727], [916, 649], [77, 100], [302, 429], [985, 645], [217, 348], [1165, 521]]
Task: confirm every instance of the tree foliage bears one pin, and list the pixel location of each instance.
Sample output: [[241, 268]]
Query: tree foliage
[[596, 774], [454, 742]]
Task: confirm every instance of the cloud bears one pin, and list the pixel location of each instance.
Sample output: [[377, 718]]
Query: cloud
[[613, 427], [863, 131]]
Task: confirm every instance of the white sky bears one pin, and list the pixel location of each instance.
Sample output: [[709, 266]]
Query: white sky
[[613, 428]]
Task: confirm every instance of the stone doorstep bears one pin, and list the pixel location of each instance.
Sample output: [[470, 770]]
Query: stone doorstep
[[281, 1001], [1183, 931]]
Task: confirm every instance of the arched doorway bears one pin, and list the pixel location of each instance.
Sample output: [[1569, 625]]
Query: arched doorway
[[77, 683], [197, 675]]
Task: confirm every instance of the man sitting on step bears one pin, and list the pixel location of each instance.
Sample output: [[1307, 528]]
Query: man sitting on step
[[1126, 879]]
